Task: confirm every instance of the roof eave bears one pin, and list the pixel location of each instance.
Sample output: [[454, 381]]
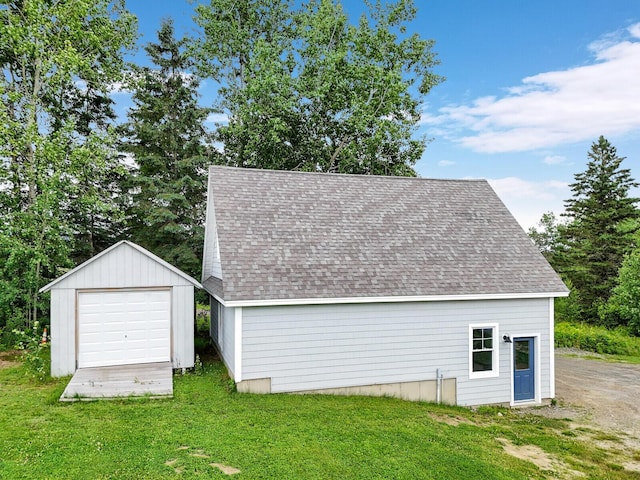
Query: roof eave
[[404, 299]]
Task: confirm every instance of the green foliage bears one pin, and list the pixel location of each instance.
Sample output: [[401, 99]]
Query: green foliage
[[596, 339], [202, 321], [303, 88], [58, 61], [547, 236], [567, 309], [601, 228], [623, 308], [171, 149], [36, 355]]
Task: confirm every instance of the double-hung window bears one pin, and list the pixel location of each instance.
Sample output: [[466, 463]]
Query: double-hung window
[[483, 351]]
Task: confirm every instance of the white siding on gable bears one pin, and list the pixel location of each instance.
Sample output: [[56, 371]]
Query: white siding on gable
[[330, 346], [124, 267], [211, 264]]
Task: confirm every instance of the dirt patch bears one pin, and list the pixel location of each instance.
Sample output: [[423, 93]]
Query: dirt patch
[[226, 469], [10, 358], [453, 420], [540, 458], [199, 454]]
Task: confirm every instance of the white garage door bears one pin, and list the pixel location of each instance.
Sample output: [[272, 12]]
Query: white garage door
[[123, 327]]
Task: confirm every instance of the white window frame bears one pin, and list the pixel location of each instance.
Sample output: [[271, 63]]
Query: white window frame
[[495, 371]]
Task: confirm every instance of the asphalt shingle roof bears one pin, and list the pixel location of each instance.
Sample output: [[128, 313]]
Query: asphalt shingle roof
[[294, 235]]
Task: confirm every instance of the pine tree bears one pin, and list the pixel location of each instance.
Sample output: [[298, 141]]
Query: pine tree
[[166, 138], [601, 227]]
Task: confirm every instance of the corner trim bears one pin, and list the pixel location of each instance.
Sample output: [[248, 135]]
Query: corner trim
[[237, 338]]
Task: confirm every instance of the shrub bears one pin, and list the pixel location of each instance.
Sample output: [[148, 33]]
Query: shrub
[[596, 339], [35, 345], [623, 308], [202, 321]]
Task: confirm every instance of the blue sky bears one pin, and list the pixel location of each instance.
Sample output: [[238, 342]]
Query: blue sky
[[530, 86]]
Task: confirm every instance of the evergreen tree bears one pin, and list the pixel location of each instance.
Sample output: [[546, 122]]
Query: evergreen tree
[[601, 227], [171, 149]]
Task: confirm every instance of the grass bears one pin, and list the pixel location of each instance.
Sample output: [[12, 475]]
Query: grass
[[272, 436]]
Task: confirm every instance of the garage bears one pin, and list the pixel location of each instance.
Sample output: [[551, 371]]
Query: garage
[[123, 327], [124, 306]]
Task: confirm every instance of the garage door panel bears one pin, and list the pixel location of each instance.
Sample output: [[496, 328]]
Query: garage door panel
[[123, 327]]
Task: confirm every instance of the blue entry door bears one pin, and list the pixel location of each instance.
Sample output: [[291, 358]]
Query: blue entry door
[[524, 384]]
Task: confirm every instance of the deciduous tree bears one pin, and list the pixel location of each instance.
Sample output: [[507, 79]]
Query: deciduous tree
[[623, 307], [307, 89], [547, 236], [58, 61]]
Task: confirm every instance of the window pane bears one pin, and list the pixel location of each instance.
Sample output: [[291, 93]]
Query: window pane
[[487, 332], [477, 333], [522, 355], [488, 343], [477, 344], [482, 361]]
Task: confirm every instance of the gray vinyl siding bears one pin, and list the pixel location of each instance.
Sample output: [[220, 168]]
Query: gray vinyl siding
[[329, 346], [214, 306], [227, 346]]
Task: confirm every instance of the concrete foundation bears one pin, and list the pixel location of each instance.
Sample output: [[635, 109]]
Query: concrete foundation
[[421, 391]]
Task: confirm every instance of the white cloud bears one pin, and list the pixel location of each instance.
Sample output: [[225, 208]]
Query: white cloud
[[528, 200], [554, 159], [217, 118], [446, 163], [558, 107]]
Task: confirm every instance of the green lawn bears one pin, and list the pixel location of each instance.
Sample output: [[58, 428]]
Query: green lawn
[[274, 436]]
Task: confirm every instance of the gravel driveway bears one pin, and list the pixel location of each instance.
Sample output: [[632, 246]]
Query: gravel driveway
[[608, 393]]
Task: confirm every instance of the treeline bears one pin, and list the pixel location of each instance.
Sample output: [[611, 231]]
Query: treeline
[[298, 87], [595, 244]]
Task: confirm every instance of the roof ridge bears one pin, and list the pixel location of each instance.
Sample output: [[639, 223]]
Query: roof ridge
[[351, 175]]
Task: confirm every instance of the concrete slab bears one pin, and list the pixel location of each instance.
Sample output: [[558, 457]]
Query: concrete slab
[[153, 380]]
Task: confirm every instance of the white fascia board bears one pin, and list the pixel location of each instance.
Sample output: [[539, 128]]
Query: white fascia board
[[423, 298]]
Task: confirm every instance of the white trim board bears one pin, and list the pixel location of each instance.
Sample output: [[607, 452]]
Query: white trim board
[[418, 298]]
